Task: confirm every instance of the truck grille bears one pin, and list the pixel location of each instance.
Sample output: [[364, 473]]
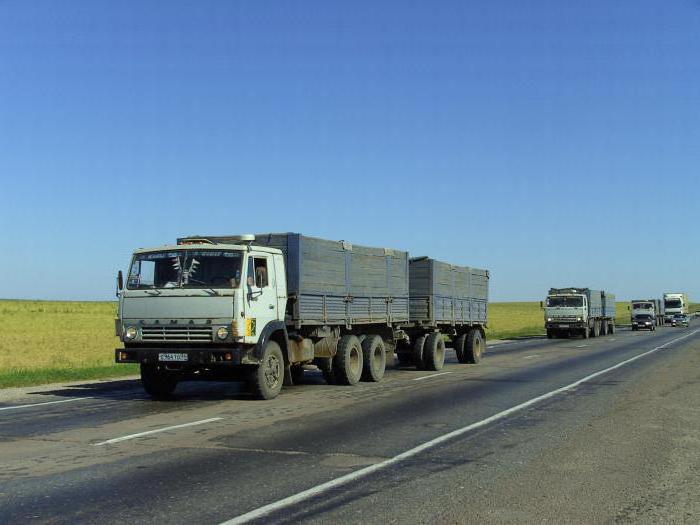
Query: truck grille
[[564, 319], [176, 333]]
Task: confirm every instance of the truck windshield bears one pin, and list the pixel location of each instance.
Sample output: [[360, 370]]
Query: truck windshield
[[642, 306], [186, 269], [565, 301], [673, 303]]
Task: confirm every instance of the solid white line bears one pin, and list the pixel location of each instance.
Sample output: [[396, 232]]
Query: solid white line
[[353, 476], [428, 377], [17, 407], [532, 356], [158, 430], [581, 346]]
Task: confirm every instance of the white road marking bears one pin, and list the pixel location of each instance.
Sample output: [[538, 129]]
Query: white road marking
[[353, 476], [581, 346], [17, 407], [532, 356], [157, 431], [428, 377]]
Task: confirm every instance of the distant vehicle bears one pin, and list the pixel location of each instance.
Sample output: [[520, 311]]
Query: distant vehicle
[[644, 322], [579, 311], [654, 307], [675, 303], [680, 320]]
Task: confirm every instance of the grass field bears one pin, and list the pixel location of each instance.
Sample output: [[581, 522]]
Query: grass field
[[51, 341]]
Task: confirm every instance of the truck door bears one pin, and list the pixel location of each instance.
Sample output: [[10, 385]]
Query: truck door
[[261, 295]]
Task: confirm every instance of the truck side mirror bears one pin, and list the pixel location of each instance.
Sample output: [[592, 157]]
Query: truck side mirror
[[120, 281]]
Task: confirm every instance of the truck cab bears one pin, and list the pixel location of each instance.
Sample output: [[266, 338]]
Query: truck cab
[[566, 313], [198, 310]]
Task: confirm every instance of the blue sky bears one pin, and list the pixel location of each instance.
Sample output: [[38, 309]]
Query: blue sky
[[554, 143]]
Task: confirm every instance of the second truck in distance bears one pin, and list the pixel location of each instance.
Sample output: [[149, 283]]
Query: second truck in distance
[[579, 311]]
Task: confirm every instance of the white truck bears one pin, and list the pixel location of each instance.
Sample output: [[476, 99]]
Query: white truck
[[579, 311], [260, 307], [675, 303]]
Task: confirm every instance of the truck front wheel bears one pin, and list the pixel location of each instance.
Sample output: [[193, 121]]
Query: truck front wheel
[[266, 380], [158, 383], [347, 363], [434, 352], [373, 357]]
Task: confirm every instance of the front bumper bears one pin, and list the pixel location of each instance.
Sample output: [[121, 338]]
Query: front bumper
[[643, 326], [565, 325], [197, 357]]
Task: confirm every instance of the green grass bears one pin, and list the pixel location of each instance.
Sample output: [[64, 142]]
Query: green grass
[[51, 341]]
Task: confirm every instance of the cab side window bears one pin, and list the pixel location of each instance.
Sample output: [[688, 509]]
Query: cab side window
[[257, 272]]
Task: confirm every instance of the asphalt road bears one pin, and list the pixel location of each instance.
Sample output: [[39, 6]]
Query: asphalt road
[[518, 438]]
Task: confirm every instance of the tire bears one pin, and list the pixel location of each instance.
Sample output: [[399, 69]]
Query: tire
[[604, 328], [434, 352], [417, 352], [267, 378], [158, 383], [475, 346], [361, 338], [325, 365], [586, 332], [550, 335], [459, 345], [611, 328], [373, 358], [347, 363], [596, 329], [297, 372]]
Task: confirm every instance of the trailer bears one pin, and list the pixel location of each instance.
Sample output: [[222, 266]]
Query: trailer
[[579, 311], [446, 301], [262, 307]]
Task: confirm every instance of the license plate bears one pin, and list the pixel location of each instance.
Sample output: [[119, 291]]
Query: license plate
[[172, 357], [563, 326]]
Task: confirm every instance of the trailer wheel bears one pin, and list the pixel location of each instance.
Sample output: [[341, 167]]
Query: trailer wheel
[[267, 378], [347, 363], [325, 365], [459, 345], [417, 352], [158, 383], [611, 328], [374, 358], [475, 346], [596, 329], [434, 352], [604, 328]]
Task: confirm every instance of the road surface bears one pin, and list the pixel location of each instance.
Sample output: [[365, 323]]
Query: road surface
[[568, 430]]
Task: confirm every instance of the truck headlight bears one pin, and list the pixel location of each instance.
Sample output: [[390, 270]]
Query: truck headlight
[[131, 333], [549, 319], [222, 333], [579, 318]]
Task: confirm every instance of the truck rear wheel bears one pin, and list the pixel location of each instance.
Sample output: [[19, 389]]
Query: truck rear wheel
[[434, 352], [459, 344], [604, 328], [417, 352], [596, 328], [586, 332], [267, 378], [157, 382], [611, 328], [347, 363], [475, 346], [374, 358]]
